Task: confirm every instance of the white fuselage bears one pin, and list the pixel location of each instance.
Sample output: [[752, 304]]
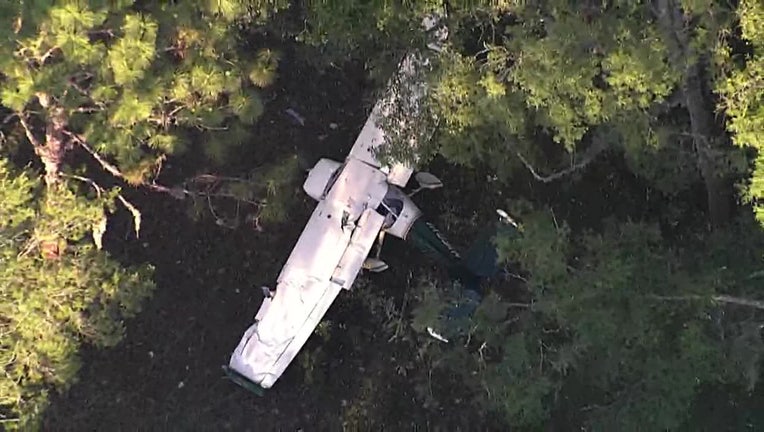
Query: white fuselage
[[357, 199]]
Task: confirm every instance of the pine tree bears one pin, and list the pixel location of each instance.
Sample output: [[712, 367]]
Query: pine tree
[[123, 86]]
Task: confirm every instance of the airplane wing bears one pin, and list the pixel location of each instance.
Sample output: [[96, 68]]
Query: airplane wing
[[327, 258], [405, 83]]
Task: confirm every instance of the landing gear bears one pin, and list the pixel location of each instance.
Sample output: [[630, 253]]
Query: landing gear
[[375, 265], [426, 181]]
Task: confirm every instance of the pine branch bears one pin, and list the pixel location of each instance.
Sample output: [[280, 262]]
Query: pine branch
[[176, 192]]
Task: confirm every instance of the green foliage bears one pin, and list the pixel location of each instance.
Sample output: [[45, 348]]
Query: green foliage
[[56, 293], [279, 180], [547, 70], [125, 75], [618, 324], [263, 71], [743, 91]]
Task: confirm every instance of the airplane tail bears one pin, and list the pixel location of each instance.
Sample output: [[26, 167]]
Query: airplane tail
[[427, 238], [479, 263]]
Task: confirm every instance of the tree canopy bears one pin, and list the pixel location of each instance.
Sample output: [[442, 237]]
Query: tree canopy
[[98, 90]]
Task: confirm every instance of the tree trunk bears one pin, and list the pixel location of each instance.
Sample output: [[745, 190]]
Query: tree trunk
[[718, 192], [701, 123], [51, 153]]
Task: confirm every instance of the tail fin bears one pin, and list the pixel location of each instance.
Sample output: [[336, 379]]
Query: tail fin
[[429, 240], [480, 262], [482, 258]]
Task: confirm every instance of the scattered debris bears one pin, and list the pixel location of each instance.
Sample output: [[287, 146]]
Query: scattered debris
[[295, 116]]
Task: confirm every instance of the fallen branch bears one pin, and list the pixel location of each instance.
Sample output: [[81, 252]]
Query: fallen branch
[[721, 298]]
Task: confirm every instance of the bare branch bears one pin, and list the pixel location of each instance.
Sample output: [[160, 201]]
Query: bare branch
[[8, 118], [222, 195], [101, 227], [758, 304], [113, 170], [99, 190], [721, 298], [210, 178], [73, 84], [89, 109], [28, 131], [593, 152], [136, 214], [176, 192]]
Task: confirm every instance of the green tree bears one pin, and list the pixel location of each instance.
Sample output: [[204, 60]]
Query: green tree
[[123, 86], [613, 329], [57, 290], [548, 86], [743, 93]]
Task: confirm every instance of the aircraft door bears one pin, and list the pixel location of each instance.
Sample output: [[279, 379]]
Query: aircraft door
[[400, 212]]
